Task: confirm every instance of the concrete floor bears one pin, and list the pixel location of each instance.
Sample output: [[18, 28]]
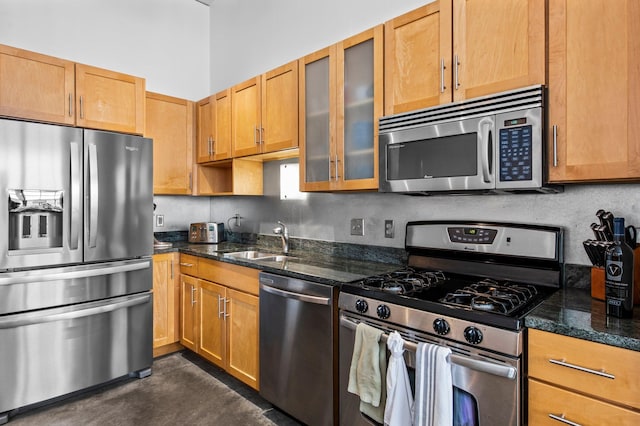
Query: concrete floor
[[183, 389]]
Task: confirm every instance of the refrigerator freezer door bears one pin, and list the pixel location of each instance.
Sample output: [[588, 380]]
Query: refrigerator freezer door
[[118, 181], [41, 199]]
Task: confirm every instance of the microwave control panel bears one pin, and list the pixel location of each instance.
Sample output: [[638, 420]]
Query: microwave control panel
[[515, 145]]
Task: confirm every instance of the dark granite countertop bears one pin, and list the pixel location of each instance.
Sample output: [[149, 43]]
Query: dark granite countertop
[[302, 264], [573, 312]]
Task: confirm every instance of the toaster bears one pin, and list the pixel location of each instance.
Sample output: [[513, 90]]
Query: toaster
[[206, 232]]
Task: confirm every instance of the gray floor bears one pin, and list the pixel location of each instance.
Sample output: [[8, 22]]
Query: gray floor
[[183, 389]]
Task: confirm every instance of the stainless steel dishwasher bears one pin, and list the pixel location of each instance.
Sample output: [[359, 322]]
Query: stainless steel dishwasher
[[298, 347]]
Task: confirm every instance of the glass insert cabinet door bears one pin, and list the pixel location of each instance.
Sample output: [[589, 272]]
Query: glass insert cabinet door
[[317, 120], [358, 138], [342, 89]]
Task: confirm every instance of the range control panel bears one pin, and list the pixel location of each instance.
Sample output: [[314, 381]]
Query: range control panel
[[462, 234]]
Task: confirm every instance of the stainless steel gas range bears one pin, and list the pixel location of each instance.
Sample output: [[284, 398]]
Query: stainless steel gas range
[[468, 286]]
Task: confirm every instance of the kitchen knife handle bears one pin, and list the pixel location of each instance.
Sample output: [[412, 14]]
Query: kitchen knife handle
[[94, 196], [555, 146]]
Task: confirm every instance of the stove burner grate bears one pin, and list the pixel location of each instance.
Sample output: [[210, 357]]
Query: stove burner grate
[[491, 296], [405, 282]]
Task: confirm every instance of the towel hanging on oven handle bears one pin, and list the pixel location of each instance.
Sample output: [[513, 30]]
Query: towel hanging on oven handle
[[488, 367]]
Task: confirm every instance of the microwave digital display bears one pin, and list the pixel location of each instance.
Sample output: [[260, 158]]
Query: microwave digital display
[[516, 163]]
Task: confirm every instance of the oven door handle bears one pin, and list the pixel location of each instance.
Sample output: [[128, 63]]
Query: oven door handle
[[488, 367], [500, 370]]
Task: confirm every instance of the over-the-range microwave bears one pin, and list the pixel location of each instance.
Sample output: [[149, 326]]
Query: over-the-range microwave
[[491, 144]]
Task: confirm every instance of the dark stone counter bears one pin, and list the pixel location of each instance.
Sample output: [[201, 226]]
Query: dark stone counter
[[327, 263], [573, 312]]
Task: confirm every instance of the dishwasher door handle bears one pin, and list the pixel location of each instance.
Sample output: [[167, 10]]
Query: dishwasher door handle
[[296, 296]]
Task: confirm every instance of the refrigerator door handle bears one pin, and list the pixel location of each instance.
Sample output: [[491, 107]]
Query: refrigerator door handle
[[67, 273], [72, 312], [75, 217], [93, 195]]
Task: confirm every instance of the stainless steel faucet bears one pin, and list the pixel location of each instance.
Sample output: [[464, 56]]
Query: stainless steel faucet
[[284, 235]]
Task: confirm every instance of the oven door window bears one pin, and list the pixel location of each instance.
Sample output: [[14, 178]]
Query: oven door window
[[443, 157], [465, 408]]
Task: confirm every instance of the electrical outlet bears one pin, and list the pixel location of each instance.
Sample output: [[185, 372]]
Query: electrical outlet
[[357, 227], [388, 228], [159, 220]]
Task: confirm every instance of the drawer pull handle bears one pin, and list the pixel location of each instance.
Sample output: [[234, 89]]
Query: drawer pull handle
[[577, 367], [188, 265], [563, 420]]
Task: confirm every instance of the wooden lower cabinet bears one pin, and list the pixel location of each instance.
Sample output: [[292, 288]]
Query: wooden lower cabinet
[[188, 312], [218, 322], [587, 383], [548, 404], [243, 336], [166, 303]]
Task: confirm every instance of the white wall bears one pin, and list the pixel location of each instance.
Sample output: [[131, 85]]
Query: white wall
[[249, 37], [164, 41]]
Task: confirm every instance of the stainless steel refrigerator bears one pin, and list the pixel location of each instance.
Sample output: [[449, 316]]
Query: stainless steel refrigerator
[[76, 239]]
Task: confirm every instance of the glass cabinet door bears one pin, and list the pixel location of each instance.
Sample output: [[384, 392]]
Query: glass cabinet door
[[359, 83], [358, 111], [319, 107]]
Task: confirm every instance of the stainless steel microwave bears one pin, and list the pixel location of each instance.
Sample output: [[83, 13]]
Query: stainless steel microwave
[[492, 144]]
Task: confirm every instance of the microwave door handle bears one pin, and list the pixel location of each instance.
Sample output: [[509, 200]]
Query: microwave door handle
[[486, 148]]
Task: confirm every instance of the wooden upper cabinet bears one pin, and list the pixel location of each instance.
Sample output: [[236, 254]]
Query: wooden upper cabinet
[[246, 128], [451, 50], [214, 127], [264, 114], [418, 58], [280, 108], [109, 100], [499, 46], [204, 134], [594, 90], [222, 125], [36, 87], [170, 123]]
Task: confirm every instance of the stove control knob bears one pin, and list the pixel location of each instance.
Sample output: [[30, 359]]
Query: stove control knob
[[441, 326], [473, 335], [383, 311], [362, 306]]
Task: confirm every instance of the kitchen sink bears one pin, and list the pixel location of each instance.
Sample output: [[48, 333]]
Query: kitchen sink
[[256, 255]]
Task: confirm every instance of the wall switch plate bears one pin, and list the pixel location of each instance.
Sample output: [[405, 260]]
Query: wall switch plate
[[357, 227], [389, 231], [159, 220]]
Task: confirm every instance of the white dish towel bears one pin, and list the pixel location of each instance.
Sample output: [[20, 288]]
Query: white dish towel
[[399, 407], [366, 374], [434, 387]]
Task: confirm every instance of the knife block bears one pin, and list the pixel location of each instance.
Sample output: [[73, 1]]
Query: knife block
[[597, 279]]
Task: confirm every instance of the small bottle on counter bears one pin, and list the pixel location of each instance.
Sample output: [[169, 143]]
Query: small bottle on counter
[[619, 274]]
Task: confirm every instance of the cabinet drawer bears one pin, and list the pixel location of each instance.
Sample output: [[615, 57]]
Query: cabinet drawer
[[189, 264], [233, 276], [546, 401], [622, 367]]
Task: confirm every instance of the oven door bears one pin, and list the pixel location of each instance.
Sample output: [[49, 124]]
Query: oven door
[[486, 386], [451, 156]]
